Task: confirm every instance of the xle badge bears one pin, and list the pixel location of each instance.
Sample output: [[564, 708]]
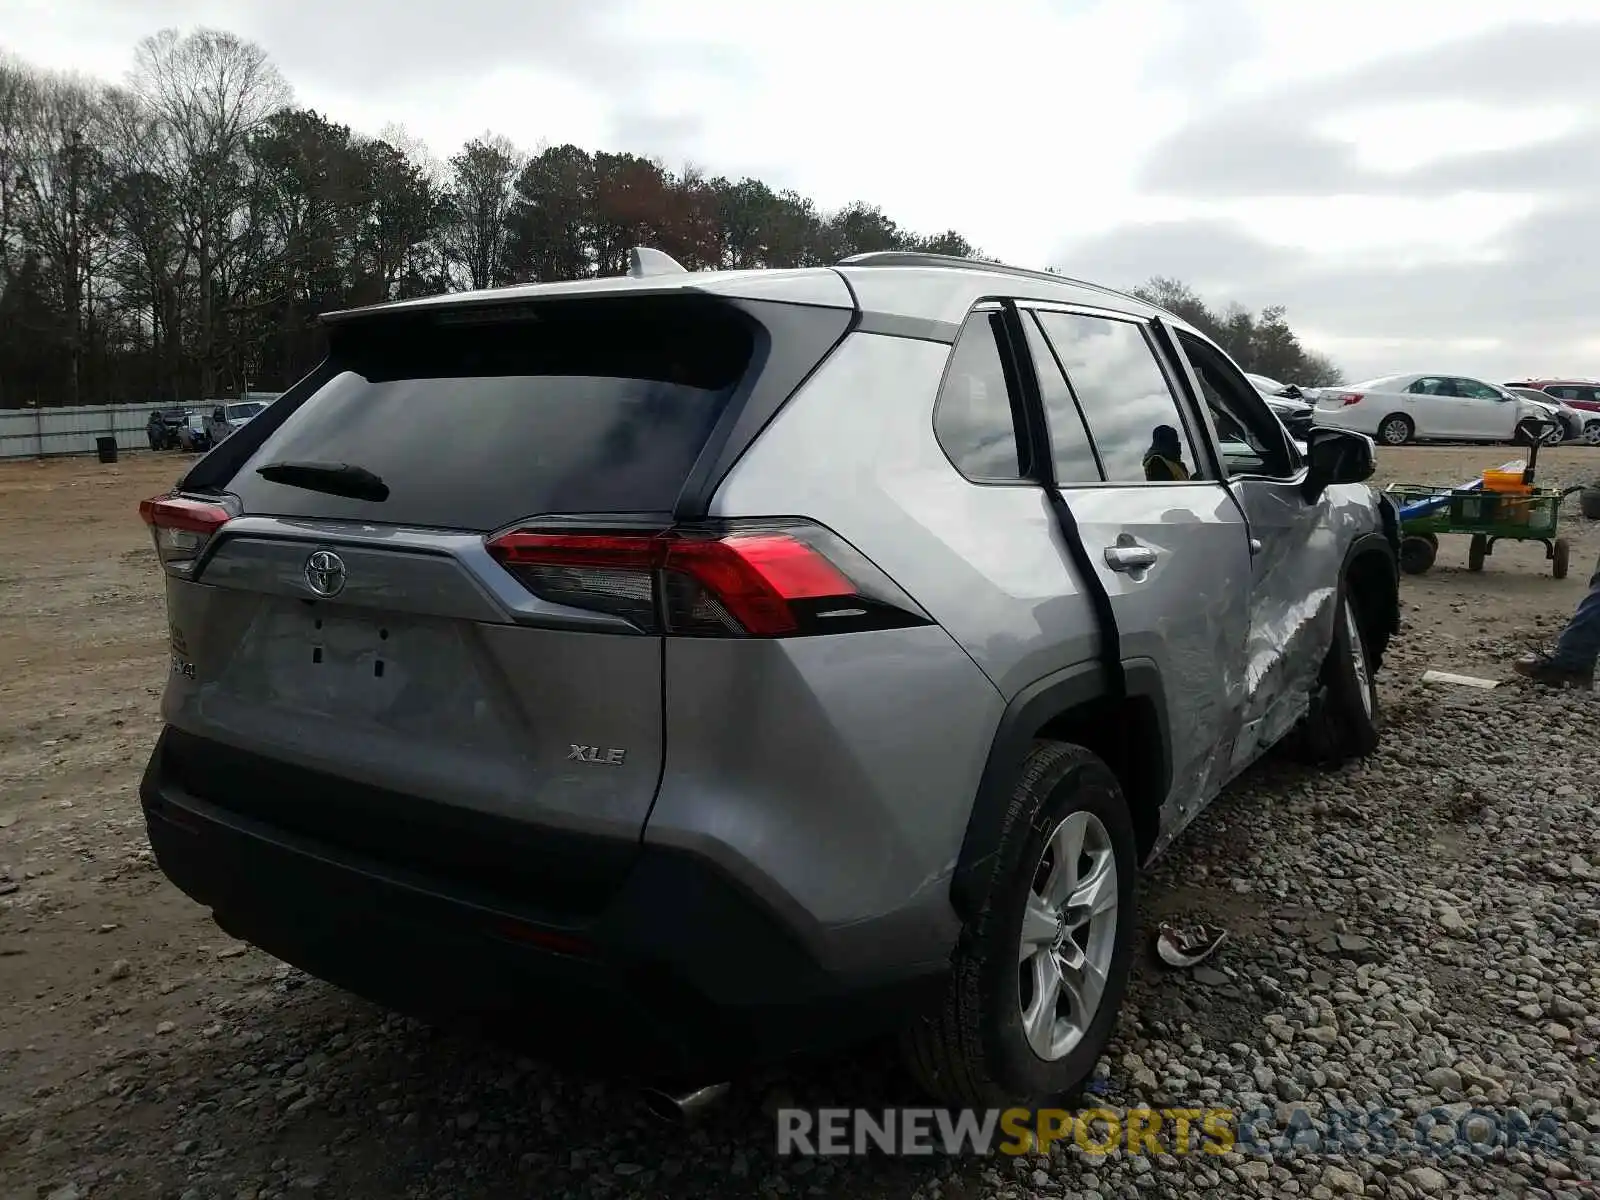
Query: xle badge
[[593, 754]]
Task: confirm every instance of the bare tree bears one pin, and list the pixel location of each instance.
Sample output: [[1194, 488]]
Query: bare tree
[[482, 190], [209, 91], [18, 105], [61, 192]]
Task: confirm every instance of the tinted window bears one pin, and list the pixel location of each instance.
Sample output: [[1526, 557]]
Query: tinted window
[[474, 422], [1069, 440], [1432, 385], [973, 416], [1122, 391], [1569, 392]]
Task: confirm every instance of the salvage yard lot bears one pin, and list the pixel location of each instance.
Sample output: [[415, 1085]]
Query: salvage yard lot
[[1412, 932]]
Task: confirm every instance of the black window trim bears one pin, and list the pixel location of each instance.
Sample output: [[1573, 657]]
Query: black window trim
[[989, 308], [1204, 446], [1043, 477], [1297, 464], [1032, 318]]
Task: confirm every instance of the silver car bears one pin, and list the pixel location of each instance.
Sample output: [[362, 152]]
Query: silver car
[[762, 661]]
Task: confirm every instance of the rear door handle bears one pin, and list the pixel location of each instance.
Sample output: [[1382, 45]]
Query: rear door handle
[[1130, 558]]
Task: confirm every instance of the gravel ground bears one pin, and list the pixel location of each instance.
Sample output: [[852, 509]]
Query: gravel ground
[[1413, 935]]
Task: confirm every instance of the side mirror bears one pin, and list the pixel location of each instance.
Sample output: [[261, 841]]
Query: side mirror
[[1337, 456]]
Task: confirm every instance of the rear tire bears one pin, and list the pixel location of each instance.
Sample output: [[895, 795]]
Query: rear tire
[[1560, 558], [1344, 723], [976, 1051], [1396, 430], [1477, 551]]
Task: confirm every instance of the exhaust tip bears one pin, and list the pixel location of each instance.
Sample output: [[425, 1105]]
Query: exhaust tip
[[678, 1108]]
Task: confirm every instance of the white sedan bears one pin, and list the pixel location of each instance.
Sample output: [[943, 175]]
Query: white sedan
[[1397, 409]]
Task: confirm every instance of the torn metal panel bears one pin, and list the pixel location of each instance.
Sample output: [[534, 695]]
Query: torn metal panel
[[1288, 605]]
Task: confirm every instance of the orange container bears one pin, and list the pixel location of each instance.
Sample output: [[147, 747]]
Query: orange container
[[1506, 482]]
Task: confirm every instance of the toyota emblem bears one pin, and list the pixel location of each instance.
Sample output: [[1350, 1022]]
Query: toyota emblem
[[325, 573]]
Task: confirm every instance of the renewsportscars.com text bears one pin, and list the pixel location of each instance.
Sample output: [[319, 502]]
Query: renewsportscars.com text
[[1438, 1132]]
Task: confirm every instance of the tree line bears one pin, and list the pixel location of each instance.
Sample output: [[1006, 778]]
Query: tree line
[[173, 238]]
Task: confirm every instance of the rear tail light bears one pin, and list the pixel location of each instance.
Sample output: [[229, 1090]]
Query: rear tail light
[[182, 527], [738, 579], [1349, 398]]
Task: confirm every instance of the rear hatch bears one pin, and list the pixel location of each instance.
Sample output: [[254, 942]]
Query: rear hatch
[[353, 630]]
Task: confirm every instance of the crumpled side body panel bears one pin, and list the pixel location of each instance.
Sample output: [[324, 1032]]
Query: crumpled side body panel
[[1293, 596]]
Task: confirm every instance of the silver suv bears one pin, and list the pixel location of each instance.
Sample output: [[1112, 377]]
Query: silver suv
[[683, 670]]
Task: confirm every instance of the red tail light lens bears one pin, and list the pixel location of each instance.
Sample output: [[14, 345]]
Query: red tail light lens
[[733, 580], [181, 527], [1350, 398]]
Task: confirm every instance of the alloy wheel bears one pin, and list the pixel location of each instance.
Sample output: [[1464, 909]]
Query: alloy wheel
[[1069, 933]]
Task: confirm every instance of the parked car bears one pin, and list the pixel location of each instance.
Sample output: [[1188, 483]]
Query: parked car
[[163, 428], [1575, 395], [239, 411], [1287, 403], [680, 711], [1397, 409], [194, 435]]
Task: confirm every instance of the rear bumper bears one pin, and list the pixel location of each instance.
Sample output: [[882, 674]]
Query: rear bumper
[[679, 972]]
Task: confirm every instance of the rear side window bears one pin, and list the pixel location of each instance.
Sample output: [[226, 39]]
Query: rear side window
[[1132, 414], [973, 415], [474, 421], [1070, 446], [1567, 392]]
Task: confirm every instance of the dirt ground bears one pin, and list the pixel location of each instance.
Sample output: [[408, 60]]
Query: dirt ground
[[124, 1012]]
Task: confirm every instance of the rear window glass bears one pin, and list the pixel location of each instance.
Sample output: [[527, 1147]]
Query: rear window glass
[[474, 421]]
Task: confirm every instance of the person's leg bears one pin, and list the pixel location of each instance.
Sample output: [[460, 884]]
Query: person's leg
[[1580, 640], [1573, 660]]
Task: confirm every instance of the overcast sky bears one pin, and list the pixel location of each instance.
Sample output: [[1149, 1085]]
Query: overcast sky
[[1414, 179]]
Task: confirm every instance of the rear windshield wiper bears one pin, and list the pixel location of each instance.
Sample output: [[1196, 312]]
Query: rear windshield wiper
[[335, 479]]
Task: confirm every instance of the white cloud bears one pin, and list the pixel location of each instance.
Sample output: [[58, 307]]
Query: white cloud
[[1340, 137], [1408, 136]]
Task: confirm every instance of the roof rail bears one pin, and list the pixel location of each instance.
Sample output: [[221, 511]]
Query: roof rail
[[644, 262], [916, 258]]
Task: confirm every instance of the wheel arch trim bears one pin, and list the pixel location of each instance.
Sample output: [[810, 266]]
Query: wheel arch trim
[[1033, 707]]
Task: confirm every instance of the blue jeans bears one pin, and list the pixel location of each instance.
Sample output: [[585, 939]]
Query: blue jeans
[[1580, 640]]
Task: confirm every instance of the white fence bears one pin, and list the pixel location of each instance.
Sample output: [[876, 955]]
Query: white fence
[[48, 432]]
